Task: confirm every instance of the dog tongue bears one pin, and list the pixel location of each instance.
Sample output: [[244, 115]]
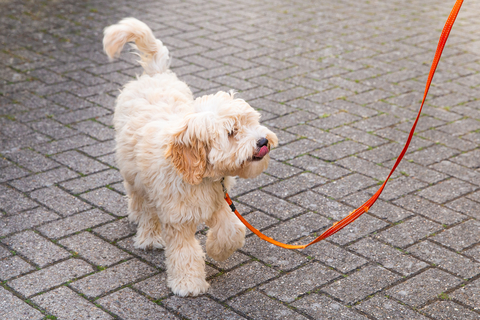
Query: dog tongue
[[262, 152]]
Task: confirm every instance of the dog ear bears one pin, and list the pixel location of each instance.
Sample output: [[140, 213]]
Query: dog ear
[[190, 161], [188, 150]]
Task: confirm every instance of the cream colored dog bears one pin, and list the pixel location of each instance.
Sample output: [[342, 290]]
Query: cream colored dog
[[173, 150]]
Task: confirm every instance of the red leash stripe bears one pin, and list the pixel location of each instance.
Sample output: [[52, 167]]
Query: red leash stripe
[[368, 204]]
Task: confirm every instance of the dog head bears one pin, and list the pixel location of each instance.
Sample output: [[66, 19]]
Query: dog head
[[223, 137]]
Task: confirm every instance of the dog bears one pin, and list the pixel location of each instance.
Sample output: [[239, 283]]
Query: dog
[[174, 152]]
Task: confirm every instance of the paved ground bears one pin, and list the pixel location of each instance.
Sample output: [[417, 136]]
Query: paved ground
[[338, 81]]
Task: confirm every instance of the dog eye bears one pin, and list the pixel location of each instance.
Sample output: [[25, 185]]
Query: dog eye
[[231, 133]]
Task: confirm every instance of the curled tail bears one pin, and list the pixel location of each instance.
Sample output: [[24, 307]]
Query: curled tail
[[153, 54]]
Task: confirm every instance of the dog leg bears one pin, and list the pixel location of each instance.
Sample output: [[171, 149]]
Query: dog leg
[[185, 260], [226, 234], [149, 230]]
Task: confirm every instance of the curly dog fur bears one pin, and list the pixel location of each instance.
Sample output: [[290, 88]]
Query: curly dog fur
[[173, 150]]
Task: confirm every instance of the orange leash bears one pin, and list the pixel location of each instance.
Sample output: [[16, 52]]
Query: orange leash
[[337, 226]]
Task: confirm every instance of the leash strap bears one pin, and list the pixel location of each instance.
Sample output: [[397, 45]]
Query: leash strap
[[337, 226]]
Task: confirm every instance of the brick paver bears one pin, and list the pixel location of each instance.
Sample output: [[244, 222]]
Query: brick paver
[[339, 82]]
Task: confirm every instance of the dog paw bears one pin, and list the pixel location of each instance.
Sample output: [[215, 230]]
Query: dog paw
[[188, 286], [222, 249], [219, 255], [149, 243]]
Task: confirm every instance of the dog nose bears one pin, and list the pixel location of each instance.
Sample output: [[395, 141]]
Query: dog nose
[[262, 142]]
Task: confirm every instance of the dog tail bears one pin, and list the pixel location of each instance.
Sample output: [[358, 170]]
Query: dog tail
[[153, 54]]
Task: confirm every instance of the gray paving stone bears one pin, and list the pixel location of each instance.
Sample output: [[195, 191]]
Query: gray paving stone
[[104, 281], [291, 119], [287, 288], [50, 277], [295, 185], [12, 307], [465, 206], [281, 170], [331, 255], [83, 114], [155, 257], [431, 155], [32, 160], [423, 124], [36, 248], [4, 252], [92, 181], [363, 226], [359, 135], [474, 196], [79, 162], [461, 127], [155, 287], [25, 220], [108, 159], [446, 310], [387, 256], [116, 230], [362, 283], [448, 140], [200, 308], [271, 205], [447, 190], [59, 201], [469, 294], [473, 252], [273, 255], [252, 274], [128, 304], [108, 200], [320, 167], [376, 123], [398, 187], [381, 209], [259, 220], [461, 236], [445, 259], [94, 249], [69, 143], [75, 223], [249, 303], [364, 167], [297, 227], [417, 171], [382, 153], [342, 187], [66, 304], [410, 231], [315, 134], [244, 185], [430, 210], [45, 179], [335, 120], [12, 201], [99, 149], [339, 150], [13, 266], [294, 149], [321, 204], [381, 307], [420, 289], [322, 307]]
